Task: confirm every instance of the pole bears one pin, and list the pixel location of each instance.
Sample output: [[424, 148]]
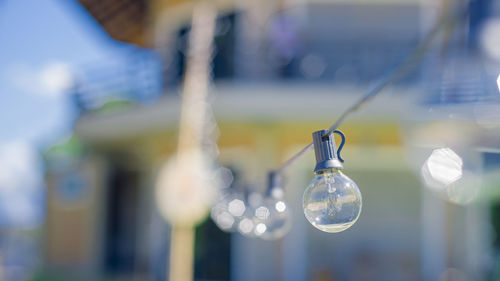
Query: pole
[[192, 120]]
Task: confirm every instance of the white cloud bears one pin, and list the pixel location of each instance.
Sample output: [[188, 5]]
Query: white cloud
[[19, 165], [56, 78], [52, 80], [21, 184]]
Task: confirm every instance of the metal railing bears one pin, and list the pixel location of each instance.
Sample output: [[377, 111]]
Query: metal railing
[[137, 78]]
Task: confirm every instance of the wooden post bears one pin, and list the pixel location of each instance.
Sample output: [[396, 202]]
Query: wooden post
[[181, 253], [192, 120]]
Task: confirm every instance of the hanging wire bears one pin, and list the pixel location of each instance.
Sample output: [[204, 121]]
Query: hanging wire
[[447, 21]]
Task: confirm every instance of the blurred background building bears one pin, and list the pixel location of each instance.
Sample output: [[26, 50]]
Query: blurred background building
[[280, 70]]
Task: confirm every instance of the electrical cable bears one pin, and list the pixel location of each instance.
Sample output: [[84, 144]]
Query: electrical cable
[[410, 62]]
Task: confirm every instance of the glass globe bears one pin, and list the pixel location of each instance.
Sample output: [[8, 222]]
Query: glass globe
[[229, 210], [332, 201], [250, 225], [275, 217], [247, 226], [184, 197]]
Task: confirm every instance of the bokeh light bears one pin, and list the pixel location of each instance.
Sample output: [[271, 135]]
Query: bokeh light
[[444, 173], [442, 168]]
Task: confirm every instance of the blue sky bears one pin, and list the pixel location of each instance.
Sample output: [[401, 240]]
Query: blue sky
[[43, 44], [38, 36]]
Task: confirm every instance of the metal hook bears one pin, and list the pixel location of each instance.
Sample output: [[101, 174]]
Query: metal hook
[[341, 144]]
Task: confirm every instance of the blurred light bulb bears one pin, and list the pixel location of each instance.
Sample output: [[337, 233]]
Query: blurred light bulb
[[228, 210], [332, 201], [276, 218], [273, 217], [250, 225], [186, 188]]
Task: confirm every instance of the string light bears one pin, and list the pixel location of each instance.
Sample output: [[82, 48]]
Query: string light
[[229, 210], [251, 215], [251, 225], [274, 214], [230, 205], [332, 201]]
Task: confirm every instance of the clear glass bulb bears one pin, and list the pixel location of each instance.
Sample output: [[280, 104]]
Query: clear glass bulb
[[332, 201], [249, 225], [275, 216], [229, 210]]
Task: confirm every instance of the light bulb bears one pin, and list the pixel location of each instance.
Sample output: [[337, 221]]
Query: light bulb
[[186, 188], [249, 225], [229, 210], [273, 214], [332, 201]]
